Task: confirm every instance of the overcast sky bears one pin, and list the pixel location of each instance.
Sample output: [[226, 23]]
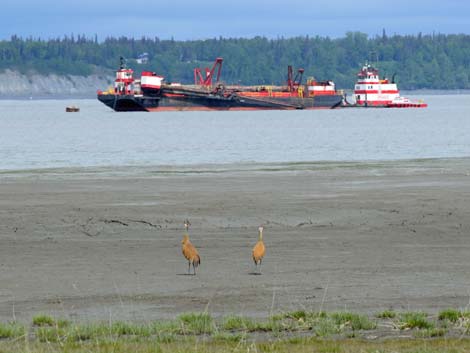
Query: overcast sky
[[201, 19]]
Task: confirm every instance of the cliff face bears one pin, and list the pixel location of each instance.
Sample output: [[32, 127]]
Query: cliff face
[[14, 84]]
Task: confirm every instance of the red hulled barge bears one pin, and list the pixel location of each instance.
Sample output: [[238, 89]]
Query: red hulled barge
[[151, 93]]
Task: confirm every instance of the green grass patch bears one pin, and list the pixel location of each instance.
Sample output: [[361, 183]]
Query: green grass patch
[[228, 337], [11, 330], [386, 314], [431, 332], [293, 315], [43, 320], [196, 323], [166, 338], [128, 329], [412, 320], [162, 328], [50, 334], [302, 315], [451, 315], [85, 332], [297, 315], [326, 327], [355, 321], [238, 323], [79, 333], [270, 325]]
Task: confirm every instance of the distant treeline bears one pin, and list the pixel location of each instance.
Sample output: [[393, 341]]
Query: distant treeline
[[419, 61]]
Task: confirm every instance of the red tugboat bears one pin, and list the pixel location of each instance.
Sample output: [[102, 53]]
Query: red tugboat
[[371, 91], [151, 93]]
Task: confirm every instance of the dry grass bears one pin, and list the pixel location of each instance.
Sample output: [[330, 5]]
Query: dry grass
[[299, 345]]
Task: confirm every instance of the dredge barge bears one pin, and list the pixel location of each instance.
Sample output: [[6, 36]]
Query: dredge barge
[[151, 93]]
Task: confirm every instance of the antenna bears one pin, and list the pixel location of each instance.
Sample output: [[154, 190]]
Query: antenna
[[122, 62], [374, 55]]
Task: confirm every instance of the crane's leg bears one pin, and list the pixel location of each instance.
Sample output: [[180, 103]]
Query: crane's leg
[[194, 269], [189, 267], [261, 260]]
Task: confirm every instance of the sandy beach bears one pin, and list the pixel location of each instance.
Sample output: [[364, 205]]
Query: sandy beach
[[104, 244]]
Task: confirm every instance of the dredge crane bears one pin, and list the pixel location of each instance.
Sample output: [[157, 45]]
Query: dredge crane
[[294, 84], [207, 81]]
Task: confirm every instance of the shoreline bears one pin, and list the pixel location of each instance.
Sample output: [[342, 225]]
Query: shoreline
[[362, 237], [254, 166]]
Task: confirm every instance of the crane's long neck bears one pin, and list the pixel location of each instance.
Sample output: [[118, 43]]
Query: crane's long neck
[[260, 232]]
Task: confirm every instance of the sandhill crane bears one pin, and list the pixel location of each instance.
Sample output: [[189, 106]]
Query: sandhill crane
[[189, 251], [259, 250]]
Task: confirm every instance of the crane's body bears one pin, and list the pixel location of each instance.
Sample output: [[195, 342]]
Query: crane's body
[[189, 251], [259, 250]]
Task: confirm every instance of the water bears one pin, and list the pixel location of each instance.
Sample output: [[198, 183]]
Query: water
[[40, 134]]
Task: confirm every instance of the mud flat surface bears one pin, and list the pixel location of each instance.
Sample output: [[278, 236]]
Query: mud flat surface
[[104, 244]]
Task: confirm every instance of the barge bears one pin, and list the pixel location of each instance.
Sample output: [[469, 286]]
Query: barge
[[151, 93]]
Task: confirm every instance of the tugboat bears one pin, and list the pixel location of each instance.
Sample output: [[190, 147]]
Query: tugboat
[[371, 91], [151, 93]]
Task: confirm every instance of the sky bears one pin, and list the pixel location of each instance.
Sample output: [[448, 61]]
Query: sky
[[203, 19]]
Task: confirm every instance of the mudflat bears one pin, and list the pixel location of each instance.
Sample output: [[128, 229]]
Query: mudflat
[[105, 243]]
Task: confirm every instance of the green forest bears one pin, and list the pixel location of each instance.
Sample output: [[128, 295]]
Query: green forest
[[423, 61]]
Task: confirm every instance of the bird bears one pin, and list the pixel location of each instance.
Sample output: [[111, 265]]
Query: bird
[[259, 250], [189, 251]]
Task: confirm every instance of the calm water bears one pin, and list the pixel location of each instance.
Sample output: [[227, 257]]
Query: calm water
[[39, 134]]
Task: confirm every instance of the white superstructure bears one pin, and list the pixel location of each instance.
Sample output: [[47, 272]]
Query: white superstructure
[[370, 89]]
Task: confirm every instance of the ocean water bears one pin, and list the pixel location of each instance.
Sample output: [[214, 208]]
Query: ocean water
[[40, 134]]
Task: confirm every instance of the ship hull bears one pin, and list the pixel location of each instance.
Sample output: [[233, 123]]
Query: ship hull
[[185, 103], [393, 105]]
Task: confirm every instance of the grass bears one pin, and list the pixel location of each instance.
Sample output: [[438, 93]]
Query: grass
[[451, 315], [298, 345], [165, 328], [324, 324], [296, 315], [11, 330], [228, 337], [355, 321], [386, 314], [326, 327], [418, 320], [196, 323], [430, 333], [238, 323], [43, 320], [296, 331], [128, 329], [162, 331], [50, 334], [301, 315]]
